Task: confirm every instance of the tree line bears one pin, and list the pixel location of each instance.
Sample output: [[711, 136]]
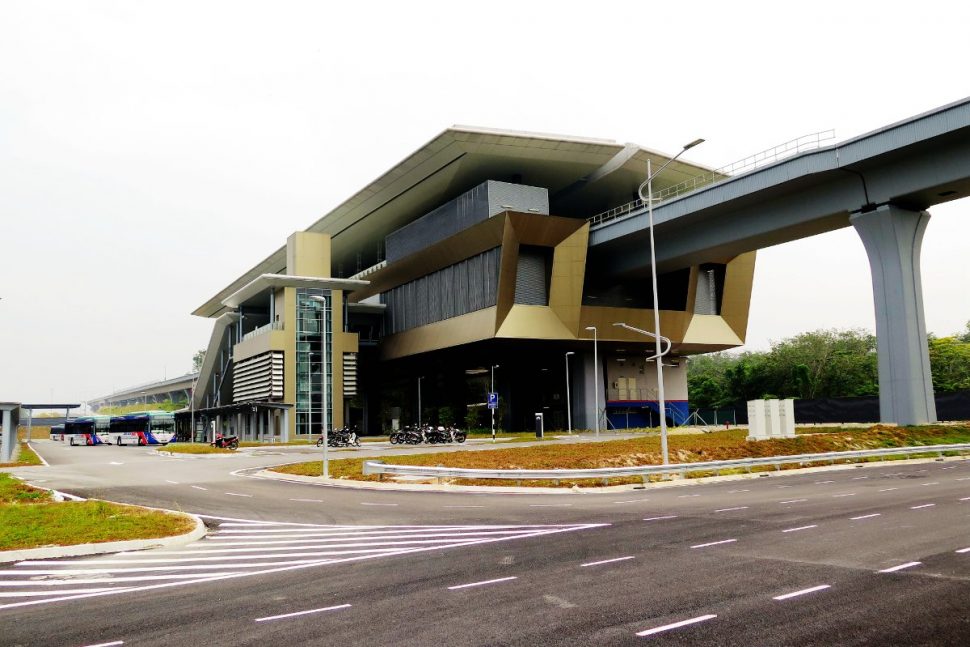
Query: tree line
[[818, 364]]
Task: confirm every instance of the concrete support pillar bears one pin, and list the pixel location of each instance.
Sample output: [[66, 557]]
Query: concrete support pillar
[[893, 237], [583, 396], [9, 438], [286, 426]]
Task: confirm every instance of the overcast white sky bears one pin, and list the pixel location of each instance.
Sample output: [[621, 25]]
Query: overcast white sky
[[152, 151]]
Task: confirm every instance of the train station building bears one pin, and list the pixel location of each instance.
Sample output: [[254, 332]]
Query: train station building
[[466, 268]]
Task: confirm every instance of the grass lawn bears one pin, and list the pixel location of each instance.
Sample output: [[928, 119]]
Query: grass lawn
[[29, 518], [720, 445], [25, 458]]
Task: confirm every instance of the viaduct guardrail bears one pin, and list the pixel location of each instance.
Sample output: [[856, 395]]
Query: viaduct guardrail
[[646, 471]]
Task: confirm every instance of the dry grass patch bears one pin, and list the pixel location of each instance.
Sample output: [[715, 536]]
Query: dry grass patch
[[721, 445], [26, 457], [195, 448]]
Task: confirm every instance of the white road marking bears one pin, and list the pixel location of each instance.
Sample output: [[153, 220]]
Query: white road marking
[[199, 487], [669, 516], [836, 496], [608, 561], [115, 463], [549, 505], [676, 625], [632, 501], [964, 550], [740, 507], [889, 489], [234, 494], [303, 613], [389, 505], [111, 644], [966, 498], [781, 486], [933, 483], [734, 491], [823, 482], [866, 516], [925, 505], [948, 468], [859, 478], [465, 586], [172, 482], [793, 501], [306, 501], [801, 528], [786, 596], [965, 478], [900, 567], [464, 506], [714, 543], [684, 496]]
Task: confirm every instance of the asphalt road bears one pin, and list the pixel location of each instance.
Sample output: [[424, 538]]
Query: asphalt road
[[856, 556]]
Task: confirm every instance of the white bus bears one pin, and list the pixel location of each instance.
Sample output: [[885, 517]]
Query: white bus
[[142, 428], [87, 430]]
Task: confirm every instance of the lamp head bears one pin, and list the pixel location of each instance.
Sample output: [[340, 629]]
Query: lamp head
[[568, 353], [590, 327], [694, 143]]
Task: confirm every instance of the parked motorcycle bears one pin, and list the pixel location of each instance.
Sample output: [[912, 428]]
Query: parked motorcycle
[[225, 442]]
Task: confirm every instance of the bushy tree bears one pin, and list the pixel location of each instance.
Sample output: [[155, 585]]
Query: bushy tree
[[950, 362]]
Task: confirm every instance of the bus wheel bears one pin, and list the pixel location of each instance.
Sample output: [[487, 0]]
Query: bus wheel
[[72, 441], [118, 441]]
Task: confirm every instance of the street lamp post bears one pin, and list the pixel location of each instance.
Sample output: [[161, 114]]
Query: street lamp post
[[569, 409], [659, 358], [419, 401], [491, 389], [596, 380], [323, 385], [648, 184]]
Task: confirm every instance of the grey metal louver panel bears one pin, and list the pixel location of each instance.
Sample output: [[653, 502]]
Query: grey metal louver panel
[[450, 292], [350, 374], [530, 277], [258, 378]]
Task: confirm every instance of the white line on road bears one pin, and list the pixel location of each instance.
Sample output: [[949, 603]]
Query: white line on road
[[823, 482], [801, 528], [549, 505], [740, 507], [464, 506], [676, 625], [888, 489], [836, 496], [925, 505], [859, 478], [900, 567], [306, 501], [199, 487], [465, 586], [234, 494], [684, 496], [111, 644], [966, 498], [866, 516], [820, 587], [933, 483], [793, 501], [608, 561], [733, 491], [964, 550], [965, 478], [391, 505], [303, 613], [172, 482], [632, 501], [115, 463], [669, 516], [715, 543]]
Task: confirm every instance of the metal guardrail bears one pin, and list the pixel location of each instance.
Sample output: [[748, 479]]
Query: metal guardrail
[[645, 471], [749, 163]]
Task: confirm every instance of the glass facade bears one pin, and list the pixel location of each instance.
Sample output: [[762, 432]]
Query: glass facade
[[314, 335]]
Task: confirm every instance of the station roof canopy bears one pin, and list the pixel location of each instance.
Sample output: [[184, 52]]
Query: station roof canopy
[[583, 176]]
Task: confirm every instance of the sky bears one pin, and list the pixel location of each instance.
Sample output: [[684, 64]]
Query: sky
[[151, 152]]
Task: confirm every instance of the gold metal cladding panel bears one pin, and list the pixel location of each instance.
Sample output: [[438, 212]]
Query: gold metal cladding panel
[[269, 340], [707, 330], [568, 272], [736, 299], [308, 254], [468, 328], [470, 242], [508, 262], [533, 322]]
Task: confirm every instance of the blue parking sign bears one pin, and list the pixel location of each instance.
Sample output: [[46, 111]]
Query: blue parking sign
[[493, 400]]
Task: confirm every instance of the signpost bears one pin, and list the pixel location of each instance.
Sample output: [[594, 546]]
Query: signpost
[[493, 405]]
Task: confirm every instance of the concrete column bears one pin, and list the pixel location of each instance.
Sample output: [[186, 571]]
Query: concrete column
[[9, 437], [285, 431], [893, 237], [583, 392]]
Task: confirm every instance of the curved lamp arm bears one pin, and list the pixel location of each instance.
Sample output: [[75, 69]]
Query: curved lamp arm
[[648, 334]]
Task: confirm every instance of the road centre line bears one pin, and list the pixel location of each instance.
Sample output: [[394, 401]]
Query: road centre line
[[676, 625], [964, 550], [734, 491], [632, 501], [199, 487], [793, 501], [815, 525], [965, 478], [740, 507], [684, 496], [794, 594], [836, 496], [925, 505], [471, 584], [306, 501], [172, 482], [550, 505], [669, 516], [823, 482], [608, 561], [303, 613], [235, 494], [866, 516], [715, 543], [464, 506], [390, 505], [900, 567], [933, 483], [111, 644], [889, 489], [966, 498], [859, 478]]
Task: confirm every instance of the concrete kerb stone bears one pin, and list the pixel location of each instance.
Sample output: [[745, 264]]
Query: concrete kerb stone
[[101, 548], [676, 481]]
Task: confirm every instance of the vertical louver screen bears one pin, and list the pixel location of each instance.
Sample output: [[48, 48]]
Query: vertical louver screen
[[258, 378], [531, 283], [350, 375]]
